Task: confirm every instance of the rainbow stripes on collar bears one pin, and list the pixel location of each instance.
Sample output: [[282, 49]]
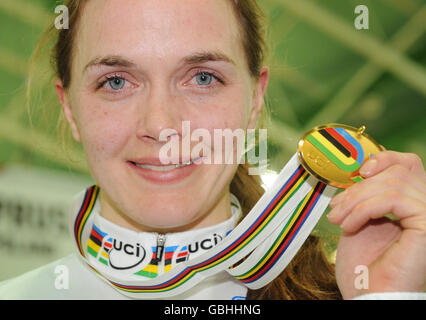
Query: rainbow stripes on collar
[[83, 215], [287, 204]]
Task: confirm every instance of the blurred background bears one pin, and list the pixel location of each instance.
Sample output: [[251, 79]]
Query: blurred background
[[323, 69]]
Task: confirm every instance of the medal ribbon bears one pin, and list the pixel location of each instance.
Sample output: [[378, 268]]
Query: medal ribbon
[[267, 238]]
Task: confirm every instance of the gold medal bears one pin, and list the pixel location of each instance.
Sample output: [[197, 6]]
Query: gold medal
[[334, 153]]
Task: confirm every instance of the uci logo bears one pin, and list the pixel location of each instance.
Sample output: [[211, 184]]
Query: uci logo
[[205, 244], [125, 256]]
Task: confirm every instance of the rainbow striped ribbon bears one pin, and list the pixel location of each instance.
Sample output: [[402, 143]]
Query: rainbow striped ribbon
[[273, 255], [269, 236]]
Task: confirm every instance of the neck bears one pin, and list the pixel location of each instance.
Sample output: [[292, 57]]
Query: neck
[[219, 212]]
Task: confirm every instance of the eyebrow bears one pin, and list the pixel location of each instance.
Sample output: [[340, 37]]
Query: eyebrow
[[198, 57], [205, 56], [110, 61]]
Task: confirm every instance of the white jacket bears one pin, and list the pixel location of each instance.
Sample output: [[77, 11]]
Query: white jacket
[[120, 252]]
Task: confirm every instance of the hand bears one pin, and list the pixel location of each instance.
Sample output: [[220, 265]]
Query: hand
[[394, 251]]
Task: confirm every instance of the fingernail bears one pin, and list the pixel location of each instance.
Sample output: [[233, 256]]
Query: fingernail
[[332, 215], [368, 167], [337, 199], [344, 225]]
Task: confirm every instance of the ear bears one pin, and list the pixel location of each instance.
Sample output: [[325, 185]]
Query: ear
[[67, 109], [258, 97]]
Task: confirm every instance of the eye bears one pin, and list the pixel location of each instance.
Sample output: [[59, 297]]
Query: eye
[[116, 83], [204, 78]]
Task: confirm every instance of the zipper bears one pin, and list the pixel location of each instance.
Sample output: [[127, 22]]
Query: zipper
[[159, 252]]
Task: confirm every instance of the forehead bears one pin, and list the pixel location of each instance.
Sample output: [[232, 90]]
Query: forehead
[[152, 29]]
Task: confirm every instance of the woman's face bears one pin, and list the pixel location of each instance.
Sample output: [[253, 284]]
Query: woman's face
[[140, 67]]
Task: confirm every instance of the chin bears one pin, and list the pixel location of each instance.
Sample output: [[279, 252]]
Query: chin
[[163, 220]]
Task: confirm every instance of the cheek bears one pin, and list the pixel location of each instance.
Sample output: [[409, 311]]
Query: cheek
[[222, 123], [231, 112], [104, 133]]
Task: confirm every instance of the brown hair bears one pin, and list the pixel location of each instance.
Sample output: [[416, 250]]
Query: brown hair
[[309, 275]]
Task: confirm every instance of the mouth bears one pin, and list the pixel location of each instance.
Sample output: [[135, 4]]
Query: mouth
[[154, 165], [162, 168], [154, 171]]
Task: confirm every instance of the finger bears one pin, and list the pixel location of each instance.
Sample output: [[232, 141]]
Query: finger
[[410, 211], [356, 196], [391, 176], [386, 159]]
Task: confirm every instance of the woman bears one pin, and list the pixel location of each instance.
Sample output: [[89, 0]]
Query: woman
[[128, 70]]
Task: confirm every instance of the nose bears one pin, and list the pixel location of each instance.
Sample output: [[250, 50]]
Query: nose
[[158, 117]]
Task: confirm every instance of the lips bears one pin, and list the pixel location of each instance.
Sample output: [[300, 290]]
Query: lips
[[152, 170], [156, 165], [162, 168]]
